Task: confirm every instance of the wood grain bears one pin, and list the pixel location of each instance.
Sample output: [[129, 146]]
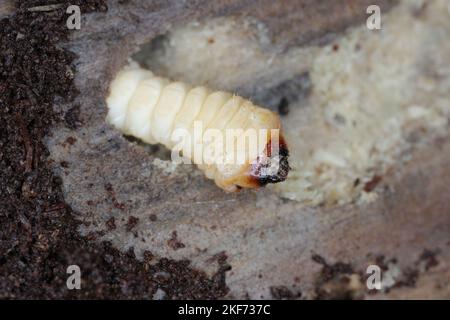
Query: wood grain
[[269, 241]]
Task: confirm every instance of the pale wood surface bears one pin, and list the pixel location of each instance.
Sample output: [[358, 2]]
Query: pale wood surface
[[266, 246]]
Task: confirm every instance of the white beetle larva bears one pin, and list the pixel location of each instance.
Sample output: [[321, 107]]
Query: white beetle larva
[[153, 108]]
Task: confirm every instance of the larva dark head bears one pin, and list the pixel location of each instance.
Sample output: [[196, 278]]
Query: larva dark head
[[271, 168]]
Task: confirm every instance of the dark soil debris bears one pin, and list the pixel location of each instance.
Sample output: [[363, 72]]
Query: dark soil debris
[[72, 117], [333, 281], [429, 258], [115, 202], [174, 243], [71, 140], [132, 222], [409, 278], [38, 237], [284, 293], [111, 223]]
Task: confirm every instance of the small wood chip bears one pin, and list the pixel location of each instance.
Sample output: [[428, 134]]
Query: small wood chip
[[45, 8]]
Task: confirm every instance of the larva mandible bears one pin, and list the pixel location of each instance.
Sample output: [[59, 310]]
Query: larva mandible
[[153, 108]]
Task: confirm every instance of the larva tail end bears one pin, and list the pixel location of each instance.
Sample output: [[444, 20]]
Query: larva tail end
[[271, 168]]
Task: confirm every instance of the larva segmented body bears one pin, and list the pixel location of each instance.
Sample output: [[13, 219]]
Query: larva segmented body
[[153, 109]]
